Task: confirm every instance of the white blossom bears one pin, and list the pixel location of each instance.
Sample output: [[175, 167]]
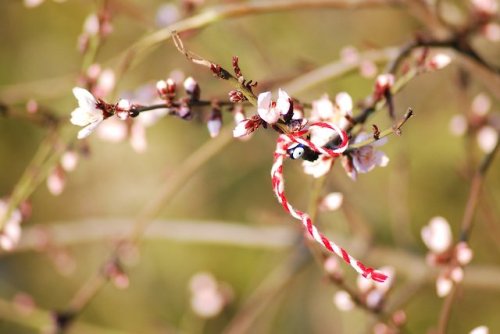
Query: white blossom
[[437, 235], [487, 138], [271, 111], [87, 114], [319, 167], [480, 330], [331, 202]]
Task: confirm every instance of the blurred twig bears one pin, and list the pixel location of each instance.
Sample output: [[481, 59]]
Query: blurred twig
[[466, 228]]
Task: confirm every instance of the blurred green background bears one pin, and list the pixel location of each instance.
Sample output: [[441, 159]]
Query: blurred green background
[[424, 178]]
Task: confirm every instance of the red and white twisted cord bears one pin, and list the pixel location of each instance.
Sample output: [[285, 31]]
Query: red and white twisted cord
[[278, 181]]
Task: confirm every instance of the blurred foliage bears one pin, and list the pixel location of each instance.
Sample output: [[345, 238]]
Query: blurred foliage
[[115, 182]]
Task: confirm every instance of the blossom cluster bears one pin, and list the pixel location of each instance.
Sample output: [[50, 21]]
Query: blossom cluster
[[444, 254]]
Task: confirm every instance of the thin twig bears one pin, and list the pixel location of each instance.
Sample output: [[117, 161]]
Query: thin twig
[[396, 129], [466, 228]]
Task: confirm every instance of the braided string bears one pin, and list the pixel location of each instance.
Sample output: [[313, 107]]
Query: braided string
[[278, 182]]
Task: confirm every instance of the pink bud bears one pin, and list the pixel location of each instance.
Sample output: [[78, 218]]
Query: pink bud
[[161, 88], [481, 104], [331, 202], [383, 84], [487, 8], [331, 265], [443, 286], [487, 138], [69, 160], [367, 69], [463, 253], [343, 301], [458, 125], [244, 128], [492, 32], [32, 106], [457, 274], [122, 109], [56, 181]]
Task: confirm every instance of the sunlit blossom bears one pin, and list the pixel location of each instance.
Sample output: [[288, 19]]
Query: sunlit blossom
[[271, 111], [87, 115]]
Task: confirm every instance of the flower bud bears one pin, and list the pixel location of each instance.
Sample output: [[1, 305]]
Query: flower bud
[[56, 181], [331, 202], [343, 301], [383, 84], [236, 96], [214, 123], [123, 109], [443, 286], [192, 88], [463, 253]]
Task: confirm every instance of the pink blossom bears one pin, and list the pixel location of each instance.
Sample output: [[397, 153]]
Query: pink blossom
[[56, 181], [464, 253], [487, 138], [331, 202], [367, 69], [11, 232], [138, 139], [69, 160], [113, 130], [443, 286], [492, 32], [322, 109], [366, 158], [343, 301], [486, 8], [207, 299], [246, 127], [481, 104], [458, 125]]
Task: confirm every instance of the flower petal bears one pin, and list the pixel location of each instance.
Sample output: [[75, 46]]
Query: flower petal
[[283, 102], [86, 131], [85, 99]]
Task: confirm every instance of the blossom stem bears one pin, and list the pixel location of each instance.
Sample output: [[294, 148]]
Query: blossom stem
[[396, 129]]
